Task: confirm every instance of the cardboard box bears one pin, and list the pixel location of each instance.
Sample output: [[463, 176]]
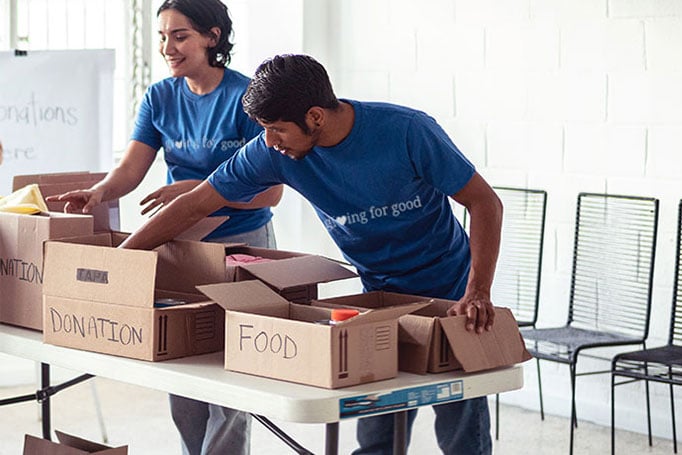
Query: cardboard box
[[106, 215], [431, 342], [294, 276], [266, 335], [68, 445], [21, 261], [100, 298]]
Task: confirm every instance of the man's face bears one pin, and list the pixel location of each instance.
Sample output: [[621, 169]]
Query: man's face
[[289, 139]]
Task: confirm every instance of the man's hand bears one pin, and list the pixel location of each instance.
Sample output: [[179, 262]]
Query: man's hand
[[478, 309], [79, 201], [166, 194]]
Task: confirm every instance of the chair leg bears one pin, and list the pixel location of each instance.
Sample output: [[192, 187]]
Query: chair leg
[[672, 414], [542, 407], [573, 413], [497, 417], [648, 411], [613, 413]]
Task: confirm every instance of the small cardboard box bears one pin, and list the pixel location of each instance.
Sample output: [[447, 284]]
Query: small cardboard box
[[294, 276], [100, 298], [266, 335], [431, 342], [68, 445], [21, 261], [106, 215]]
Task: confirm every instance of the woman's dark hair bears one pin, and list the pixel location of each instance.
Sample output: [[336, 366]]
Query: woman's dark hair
[[285, 87], [204, 15]]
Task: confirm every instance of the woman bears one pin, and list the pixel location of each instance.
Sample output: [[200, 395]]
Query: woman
[[196, 116]]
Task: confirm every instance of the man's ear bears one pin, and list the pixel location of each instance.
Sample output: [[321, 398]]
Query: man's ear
[[316, 115]]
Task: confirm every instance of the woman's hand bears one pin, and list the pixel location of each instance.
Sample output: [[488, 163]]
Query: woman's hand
[[79, 201]]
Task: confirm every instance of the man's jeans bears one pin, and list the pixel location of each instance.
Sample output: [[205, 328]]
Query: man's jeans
[[209, 429], [462, 428]]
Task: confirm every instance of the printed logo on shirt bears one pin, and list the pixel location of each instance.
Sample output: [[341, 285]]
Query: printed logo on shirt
[[372, 213], [224, 145]]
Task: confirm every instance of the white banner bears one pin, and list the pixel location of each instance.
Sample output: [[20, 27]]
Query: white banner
[[55, 112]]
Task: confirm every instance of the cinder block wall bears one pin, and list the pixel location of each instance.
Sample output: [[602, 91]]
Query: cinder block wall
[[561, 95]]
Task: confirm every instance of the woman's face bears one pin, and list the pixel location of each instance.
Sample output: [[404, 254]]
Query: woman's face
[[183, 48]]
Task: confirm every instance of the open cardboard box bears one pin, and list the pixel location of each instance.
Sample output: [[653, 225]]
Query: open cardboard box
[[431, 342], [266, 335], [106, 215], [68, 445], [21, 261], [101, 298], [293, 275]]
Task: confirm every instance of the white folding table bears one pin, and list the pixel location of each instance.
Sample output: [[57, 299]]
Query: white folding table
[[203, 378]]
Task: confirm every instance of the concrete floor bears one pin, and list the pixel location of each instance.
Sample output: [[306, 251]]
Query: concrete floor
[[140, 418]]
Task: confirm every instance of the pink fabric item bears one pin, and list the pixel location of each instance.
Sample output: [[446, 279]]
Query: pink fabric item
[[239, 259]]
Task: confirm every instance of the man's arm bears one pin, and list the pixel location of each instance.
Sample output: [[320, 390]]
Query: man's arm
[[175, 218], [485, 210]]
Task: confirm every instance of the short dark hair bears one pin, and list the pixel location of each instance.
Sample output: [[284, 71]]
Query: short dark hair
[[204, 15], [285, 87]]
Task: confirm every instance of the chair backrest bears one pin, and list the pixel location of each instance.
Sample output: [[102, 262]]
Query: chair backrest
[[613, 263], [676, 318], [519, 265]]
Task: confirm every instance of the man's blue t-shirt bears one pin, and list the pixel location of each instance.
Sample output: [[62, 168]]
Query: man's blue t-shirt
[[198, 133], [382, 194]]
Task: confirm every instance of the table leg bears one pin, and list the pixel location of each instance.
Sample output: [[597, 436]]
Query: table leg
[[400, 433], [45, 401], [332, 439]]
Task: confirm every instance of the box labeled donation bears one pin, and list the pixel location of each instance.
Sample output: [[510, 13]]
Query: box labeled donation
[[21, 261], [432, 342], [100, 298], [266, 335]]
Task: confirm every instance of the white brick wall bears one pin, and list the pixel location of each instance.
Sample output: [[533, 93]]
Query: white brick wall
[[563, 95]]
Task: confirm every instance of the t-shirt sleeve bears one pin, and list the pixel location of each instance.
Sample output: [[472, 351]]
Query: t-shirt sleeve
[[144, 130], [435, 157], [248, 172]]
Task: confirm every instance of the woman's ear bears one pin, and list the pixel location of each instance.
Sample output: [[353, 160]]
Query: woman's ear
[[214, 36]]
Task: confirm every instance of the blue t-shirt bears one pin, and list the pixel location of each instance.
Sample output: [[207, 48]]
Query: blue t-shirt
[[198, 133], [382, 194]]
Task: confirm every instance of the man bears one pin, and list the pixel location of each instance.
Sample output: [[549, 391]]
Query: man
[[379, 177]]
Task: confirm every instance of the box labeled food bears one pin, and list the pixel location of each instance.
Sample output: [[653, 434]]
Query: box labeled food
[[266, 335], [433, 342]]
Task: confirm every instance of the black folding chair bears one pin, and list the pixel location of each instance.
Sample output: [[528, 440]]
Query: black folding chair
[[611, 282], [662, 364], [519, 266]]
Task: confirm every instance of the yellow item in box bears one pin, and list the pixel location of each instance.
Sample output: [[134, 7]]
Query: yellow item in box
[[27, 200]]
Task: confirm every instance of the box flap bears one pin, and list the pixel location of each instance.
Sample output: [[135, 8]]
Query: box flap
[[184, 264], [68, 445], [100, 274], [381, 314], [298, 271], [89, 446], [501, 346], [201, 229], [247, 296]]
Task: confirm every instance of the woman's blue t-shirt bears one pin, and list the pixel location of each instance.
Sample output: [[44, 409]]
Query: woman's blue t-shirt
[[198, 133], [382, 194]]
